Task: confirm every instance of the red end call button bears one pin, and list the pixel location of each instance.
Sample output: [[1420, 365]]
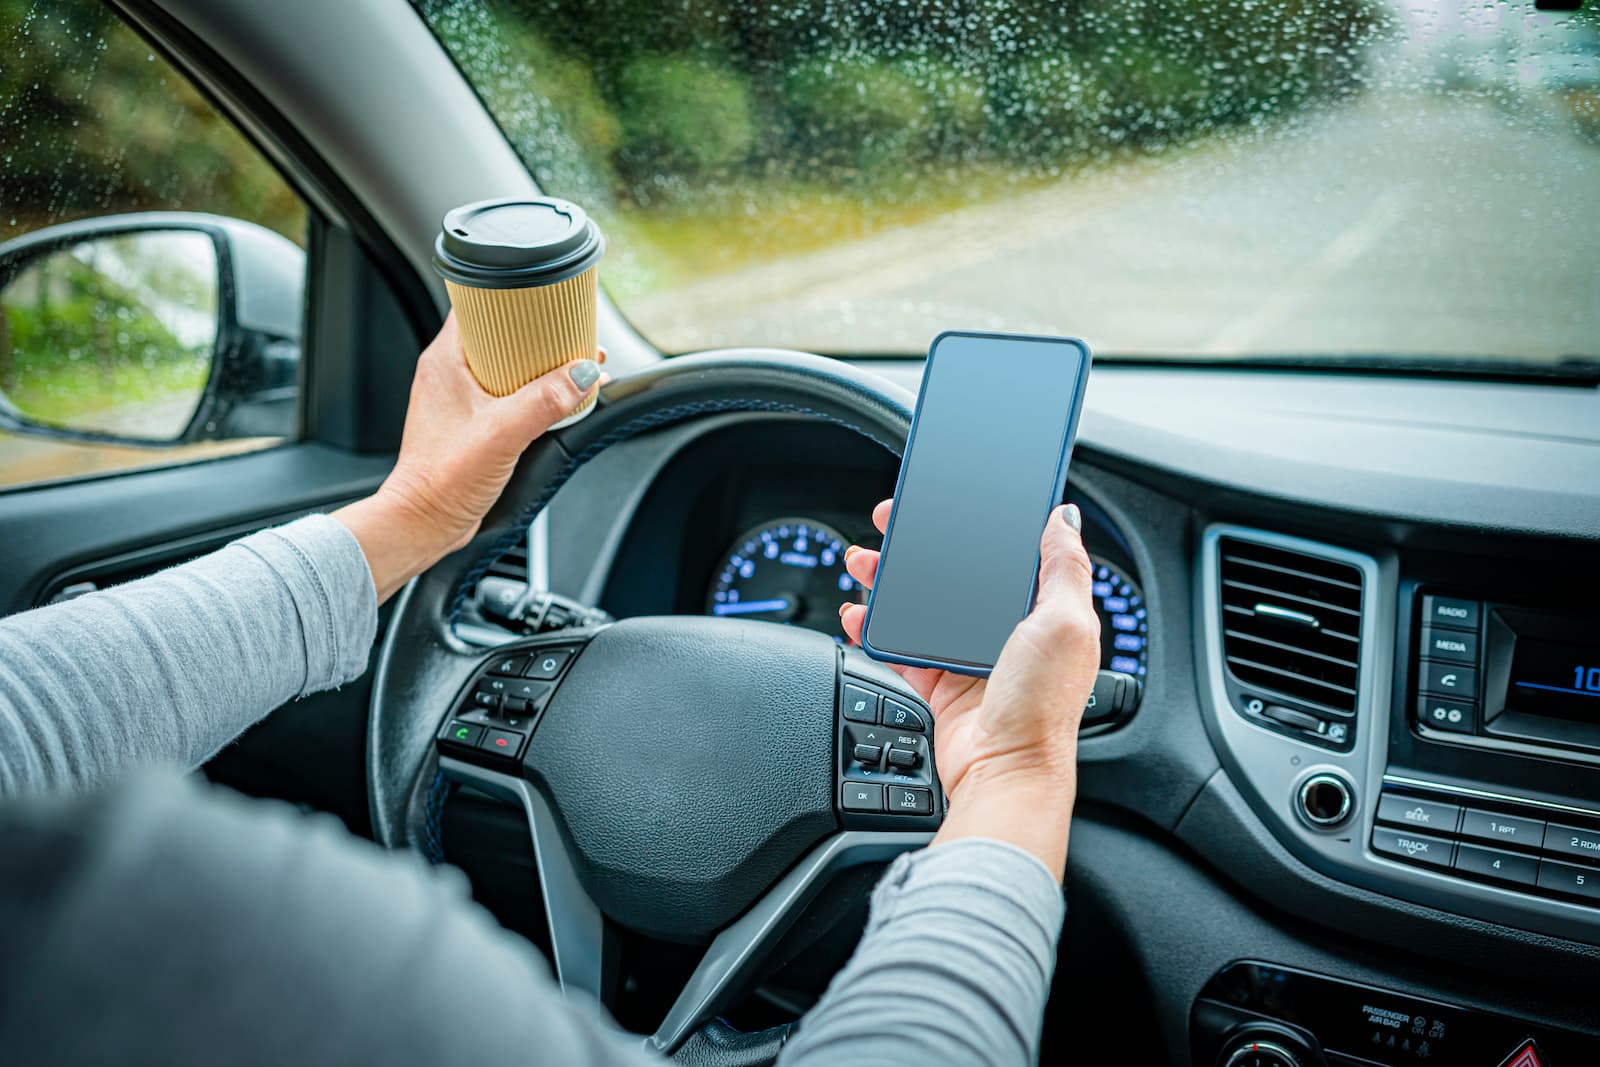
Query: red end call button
[[507, 743]]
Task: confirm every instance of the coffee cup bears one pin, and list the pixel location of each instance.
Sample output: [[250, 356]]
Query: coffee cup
[[521, 274]]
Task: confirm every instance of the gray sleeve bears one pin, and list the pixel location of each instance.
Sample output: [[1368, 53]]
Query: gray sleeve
[[170, 668], [954, 967]]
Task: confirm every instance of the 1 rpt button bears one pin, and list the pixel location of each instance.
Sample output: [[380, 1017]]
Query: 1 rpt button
[[1502, 829], [859, 705]]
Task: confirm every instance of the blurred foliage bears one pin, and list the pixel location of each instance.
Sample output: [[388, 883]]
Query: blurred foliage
[[93, 122], [75, 346], [841, 89]]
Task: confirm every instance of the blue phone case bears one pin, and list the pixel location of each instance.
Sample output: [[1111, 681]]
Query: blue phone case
[[1056, 491]]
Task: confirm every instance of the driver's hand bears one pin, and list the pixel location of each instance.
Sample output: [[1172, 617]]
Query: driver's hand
[[458, 450], [1006, 747]]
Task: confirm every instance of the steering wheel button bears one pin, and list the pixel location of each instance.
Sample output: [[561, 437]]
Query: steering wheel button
[[548, 664], [497, 686], [859, 796], [903, 757], [868, 755], [507, 743], [464, 734], [489, 702], [905, 801], [532, 693], [509, 666], [902, 717], [859, 704]]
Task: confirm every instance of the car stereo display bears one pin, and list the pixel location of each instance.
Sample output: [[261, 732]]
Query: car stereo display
[[1555, 678]]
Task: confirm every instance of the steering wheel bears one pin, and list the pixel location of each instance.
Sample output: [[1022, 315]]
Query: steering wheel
[[691, 779]]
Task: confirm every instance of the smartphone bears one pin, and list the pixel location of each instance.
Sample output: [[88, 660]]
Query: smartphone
[[984, 465]]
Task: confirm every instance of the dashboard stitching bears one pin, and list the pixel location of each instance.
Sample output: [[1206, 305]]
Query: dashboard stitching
[[650, 421]]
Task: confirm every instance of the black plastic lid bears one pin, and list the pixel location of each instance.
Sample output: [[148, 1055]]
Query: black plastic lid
[[513, 243]]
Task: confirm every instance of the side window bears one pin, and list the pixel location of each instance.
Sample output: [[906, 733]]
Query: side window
[[152, 262]]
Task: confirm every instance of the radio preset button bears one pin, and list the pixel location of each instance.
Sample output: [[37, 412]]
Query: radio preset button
[[1450, 611], [1456, 646], [1558, 877], [1497, 864], [1431, 815], [1447, 679], [1505, 829], [1572, 841], [1442, 713], [1414, 847]]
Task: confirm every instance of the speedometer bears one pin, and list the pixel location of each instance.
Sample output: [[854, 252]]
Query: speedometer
[[786, 570], [1124, 621]]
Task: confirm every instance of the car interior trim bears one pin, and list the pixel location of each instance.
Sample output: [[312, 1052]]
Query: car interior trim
[[1486, 794]]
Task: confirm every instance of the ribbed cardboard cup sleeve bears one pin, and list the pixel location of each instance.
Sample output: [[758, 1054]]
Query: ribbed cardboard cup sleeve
[[513, 336]]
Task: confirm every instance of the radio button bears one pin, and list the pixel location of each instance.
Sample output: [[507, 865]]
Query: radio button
[[1431, 815], [1569, 878], [1451, 612], [1497, 864], [1456, 646], [1572, 841], [1503, 829], [1416, 848], [1446, 679], [1442, 713]]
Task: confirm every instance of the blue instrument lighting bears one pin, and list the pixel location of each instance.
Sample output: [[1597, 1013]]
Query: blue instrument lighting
[[749, 607]]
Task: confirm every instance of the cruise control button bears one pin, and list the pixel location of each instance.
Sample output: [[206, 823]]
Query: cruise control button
[[1572, 841], [902, 716], [1431, 815], [1497, 864], [1503, 829], [1457, 646], [903, 758], [464, 734], [1569, 878], [859, 705], [506, 743], [546, 665], [858, 796], [1414, 847], [1442, 713], [1447, 679], [904, 801], [1450, 611]]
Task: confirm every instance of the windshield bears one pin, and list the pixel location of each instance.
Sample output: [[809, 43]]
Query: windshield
[[1385, 179]]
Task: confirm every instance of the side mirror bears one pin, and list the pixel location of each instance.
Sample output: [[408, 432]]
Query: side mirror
[[153, 328]]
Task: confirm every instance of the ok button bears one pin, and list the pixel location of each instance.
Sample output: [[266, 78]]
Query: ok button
[[1447, 679]]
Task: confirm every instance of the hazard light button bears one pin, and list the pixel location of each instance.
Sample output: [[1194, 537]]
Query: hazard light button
[[1526, 1055]]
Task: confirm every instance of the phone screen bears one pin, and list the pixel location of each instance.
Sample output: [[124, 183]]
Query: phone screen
[[984, 466]]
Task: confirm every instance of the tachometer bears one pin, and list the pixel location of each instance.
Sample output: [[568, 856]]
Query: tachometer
[[1124, 622], [786, 570]]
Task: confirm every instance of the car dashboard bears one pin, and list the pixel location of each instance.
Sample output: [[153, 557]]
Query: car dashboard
[[1354, 798]]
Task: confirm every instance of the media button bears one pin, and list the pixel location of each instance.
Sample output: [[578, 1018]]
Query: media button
[[1572, 841], [1431, 815], [1442, 713], [1456, 646], [1450, 611], [1447, 679], [1503, 829], [1413, 847]]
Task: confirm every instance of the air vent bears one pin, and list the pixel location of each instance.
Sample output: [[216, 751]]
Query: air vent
[[1291, 624]]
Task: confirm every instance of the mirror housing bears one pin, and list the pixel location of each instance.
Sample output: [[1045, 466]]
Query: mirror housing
[[253, 388]]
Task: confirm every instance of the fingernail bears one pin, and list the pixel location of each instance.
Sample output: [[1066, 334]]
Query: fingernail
[[1072, 517], [585, 373], [842, 609], [849, 550]]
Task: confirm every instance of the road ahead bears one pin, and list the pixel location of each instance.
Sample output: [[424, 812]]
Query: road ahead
[[1408, 224]]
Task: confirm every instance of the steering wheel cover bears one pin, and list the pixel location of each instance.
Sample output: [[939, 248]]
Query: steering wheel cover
[[422, 662]]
